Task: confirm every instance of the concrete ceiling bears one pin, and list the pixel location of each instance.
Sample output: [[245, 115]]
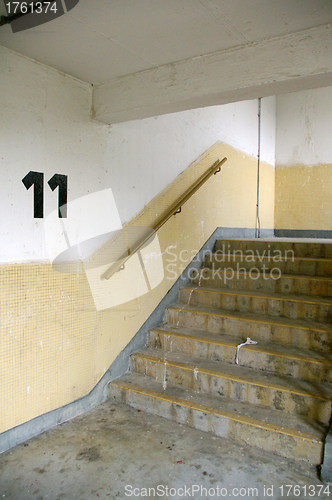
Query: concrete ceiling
[[150, 57], [100, 40]]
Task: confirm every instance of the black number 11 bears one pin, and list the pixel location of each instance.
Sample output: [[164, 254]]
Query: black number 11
[[60, 181], [36, 179]]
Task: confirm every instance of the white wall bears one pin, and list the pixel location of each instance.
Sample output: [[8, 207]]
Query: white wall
[[304, 133], [146, 155], [46, 127]]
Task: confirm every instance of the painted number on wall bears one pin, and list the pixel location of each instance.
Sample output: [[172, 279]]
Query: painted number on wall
[[36, 179]]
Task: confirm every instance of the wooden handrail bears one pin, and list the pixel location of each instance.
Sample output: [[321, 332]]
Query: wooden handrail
[[175, 208]]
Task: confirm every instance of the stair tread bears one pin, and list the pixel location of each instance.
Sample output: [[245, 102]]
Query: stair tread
[[234, 340], [238, 373], [278, 239], [276, 320], [262, 258], [269, 295], [259, 416], [283, 275]]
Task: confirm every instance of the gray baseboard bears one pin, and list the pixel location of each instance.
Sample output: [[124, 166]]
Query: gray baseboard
[[120, 366], [303, 233], [326, 468], [242, 232]]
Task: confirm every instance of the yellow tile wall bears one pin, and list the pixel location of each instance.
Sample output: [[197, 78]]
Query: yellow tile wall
[[303, 197]]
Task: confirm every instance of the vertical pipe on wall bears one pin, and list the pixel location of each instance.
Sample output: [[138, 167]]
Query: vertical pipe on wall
[[258, 223]]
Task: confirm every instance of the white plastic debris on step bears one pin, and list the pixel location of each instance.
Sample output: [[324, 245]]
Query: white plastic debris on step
[[169, 343], [247, 342], [195, 372], [190, 294], [165, 381]]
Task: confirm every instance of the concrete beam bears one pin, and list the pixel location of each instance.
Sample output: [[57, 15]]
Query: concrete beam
[[273, 66]]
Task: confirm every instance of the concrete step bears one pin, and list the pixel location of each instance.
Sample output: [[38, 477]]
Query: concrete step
[[275, 394], [296, 332], [290, 436], [286, 284], [270, 267], [266, 304], [237, 383], [275, 247], [291, 361]]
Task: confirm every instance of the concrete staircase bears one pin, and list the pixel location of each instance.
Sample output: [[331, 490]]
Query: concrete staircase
[[278, 396]]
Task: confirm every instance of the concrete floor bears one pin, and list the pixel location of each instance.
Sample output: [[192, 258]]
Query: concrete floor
[[96, 455]]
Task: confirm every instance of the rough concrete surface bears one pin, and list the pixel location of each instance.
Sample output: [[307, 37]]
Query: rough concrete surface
[[96, 455]]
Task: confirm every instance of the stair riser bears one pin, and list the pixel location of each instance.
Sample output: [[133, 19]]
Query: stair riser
[[285, 285], [272, 268], [287, 446], [249, 357], [300, 337], [265, 306], [312, 250], [235, 390]]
